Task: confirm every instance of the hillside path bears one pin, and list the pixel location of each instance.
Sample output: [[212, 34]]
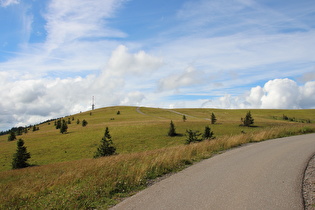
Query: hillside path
[[265, 175], [138, 109]]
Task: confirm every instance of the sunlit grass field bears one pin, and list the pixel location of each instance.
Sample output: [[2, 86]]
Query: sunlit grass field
[[68, 177], [132, 131]]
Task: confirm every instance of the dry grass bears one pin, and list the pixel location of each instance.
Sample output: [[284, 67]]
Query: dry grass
[[98, 183]]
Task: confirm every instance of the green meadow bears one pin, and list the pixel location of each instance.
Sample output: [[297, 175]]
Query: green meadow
[[65, 175]]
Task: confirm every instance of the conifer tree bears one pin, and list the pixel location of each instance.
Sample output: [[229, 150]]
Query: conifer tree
[[172, 131], [64, 127], [12, 136], [208, 134], [106, 148], [84, 123], [58, 125], [78, 121], [21, 156], [213, 118], [184, 118], [192, 136], [248, 120]]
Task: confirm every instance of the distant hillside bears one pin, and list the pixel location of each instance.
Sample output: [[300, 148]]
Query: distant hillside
[[135, 129]]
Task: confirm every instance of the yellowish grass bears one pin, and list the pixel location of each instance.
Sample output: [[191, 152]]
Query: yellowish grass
[[96, 183]]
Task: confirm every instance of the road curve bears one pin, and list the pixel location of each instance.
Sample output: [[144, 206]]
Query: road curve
[[265, 175]]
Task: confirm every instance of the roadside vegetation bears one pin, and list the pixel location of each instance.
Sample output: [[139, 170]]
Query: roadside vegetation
[[64, 174]]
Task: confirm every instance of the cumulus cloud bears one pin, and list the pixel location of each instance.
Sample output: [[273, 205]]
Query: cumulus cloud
[[28, 100], [275, 94]]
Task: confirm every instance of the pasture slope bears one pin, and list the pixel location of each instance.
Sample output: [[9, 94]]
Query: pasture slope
[[66, 176]]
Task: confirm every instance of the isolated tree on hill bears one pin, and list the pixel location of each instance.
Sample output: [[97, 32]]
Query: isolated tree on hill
[[64, 127], [84, 123], [12, 136], [192, 136], [21, 156], [208, 134], [118, 112], [213, 118], [184, 118], [78, 121], [106, 148], [248, 120], [172, 131], [58, 125]]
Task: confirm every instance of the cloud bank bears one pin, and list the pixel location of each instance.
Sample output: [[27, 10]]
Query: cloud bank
[[30, 100], [275, 94]]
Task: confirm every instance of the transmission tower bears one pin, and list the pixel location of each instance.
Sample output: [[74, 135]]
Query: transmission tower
[[93, 105]]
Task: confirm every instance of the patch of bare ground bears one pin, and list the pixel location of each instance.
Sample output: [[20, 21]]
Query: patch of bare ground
[[309, 185]]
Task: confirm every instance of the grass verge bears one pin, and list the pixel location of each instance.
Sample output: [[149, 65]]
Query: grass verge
[[100, 183]]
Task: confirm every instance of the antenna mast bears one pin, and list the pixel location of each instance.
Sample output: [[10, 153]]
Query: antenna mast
[[93, 103]]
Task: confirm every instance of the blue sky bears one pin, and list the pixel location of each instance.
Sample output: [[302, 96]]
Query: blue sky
[[55, 55]]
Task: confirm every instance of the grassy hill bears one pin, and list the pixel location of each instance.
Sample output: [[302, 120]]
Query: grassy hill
[[67, 174]]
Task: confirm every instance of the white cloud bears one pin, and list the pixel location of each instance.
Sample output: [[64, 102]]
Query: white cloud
[[28, 100], [276, 94], [189, 77], [281, 93], [5, 3], [76, 32], [121, 62]]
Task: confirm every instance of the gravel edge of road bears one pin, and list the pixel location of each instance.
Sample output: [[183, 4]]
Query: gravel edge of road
[[309, 185]]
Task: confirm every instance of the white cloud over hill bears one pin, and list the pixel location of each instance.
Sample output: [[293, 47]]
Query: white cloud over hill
[[275, 94]]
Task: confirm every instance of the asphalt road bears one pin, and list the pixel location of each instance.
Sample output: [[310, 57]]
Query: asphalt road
[[265, 175]]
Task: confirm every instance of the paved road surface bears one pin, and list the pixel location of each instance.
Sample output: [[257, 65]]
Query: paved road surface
[[266, 175]]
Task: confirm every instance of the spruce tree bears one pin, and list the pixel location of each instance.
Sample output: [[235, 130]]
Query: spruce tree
[[21, 156], [64, 127], [84, 123], [12, 136], [208, 134], [213, 118], [58, 125], [106, 148], [248, 120], [192, 136], [172, 131]]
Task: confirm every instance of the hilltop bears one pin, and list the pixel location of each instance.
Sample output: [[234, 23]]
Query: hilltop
[[135, 129]]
